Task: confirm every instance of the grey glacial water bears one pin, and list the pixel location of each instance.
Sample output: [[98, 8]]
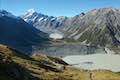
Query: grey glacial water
[[95, 61], [68, 49]]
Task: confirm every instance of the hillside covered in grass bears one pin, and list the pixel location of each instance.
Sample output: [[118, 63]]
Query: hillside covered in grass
[[17, 66]]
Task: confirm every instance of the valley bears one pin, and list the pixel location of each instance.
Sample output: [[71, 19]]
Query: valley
[[35, 46]]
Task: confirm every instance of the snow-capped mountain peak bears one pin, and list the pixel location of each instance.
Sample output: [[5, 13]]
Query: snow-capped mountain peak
[[42, 20], [31, 10]]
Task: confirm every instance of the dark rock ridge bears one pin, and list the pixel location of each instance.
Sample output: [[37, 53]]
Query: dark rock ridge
[[15, 32]]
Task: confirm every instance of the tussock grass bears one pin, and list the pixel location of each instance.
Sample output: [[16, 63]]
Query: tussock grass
[[42, 67]]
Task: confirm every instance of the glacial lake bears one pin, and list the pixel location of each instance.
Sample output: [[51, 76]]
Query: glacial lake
[[95, 61]]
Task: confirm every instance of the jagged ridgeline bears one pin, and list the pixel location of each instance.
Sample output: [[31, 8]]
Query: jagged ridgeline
[[96, 27]]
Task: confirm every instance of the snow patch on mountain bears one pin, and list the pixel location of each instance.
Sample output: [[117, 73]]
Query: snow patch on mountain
[[56, 36], [29, 13], [31, 10], [40, 19]]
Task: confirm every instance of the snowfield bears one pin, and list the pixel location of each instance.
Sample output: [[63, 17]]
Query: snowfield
[[95, 61], [56, 36]]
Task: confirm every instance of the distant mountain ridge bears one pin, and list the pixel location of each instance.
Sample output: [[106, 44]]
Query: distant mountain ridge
[[96, 27], [49, 24], [42, 22]]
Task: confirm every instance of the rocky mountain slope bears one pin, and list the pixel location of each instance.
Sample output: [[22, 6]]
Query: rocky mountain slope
[[17, 66], [42, 22], [18, 34], [98, 27]]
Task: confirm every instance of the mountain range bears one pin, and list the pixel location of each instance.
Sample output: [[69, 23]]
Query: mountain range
[[98, 27], [83, 33], [97, 31]]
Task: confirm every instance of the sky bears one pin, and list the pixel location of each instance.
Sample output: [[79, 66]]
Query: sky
[[56, 7]]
